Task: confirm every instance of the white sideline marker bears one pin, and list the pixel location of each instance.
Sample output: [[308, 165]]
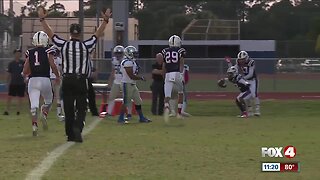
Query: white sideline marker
[[47, 162]]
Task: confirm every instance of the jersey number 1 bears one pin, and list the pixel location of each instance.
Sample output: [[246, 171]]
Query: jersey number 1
[[172, 57], [36, 56]]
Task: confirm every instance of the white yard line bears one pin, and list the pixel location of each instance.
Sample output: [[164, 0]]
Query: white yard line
[[47, 162]]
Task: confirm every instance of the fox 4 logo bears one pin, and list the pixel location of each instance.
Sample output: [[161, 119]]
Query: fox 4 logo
[[289, 152]]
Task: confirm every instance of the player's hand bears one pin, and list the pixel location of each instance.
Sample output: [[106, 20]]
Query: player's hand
[[106, 15], [42, 12], [26, 80], [227, 59]]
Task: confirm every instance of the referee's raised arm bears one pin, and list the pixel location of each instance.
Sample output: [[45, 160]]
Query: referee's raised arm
[[42, 13], [75, 68]]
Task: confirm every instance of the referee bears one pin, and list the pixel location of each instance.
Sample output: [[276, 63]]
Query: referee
[[76, 64]]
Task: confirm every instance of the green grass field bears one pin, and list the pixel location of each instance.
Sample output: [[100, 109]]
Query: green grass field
[[213, 144]]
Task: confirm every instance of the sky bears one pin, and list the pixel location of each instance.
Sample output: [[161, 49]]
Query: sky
[[70, 5]]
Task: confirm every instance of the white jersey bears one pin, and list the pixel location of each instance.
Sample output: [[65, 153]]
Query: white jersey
[[117, 71], [128, 63], [58, 63]]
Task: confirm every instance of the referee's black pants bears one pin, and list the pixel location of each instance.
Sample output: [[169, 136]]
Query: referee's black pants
[[157, 89], [75, 92]]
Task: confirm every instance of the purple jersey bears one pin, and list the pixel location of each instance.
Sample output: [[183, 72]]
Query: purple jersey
[[172, 57]]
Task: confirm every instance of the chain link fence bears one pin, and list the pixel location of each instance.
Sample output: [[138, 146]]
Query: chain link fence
[[275, 75]]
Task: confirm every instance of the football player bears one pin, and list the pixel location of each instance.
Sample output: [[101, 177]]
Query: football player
[[115, 79], [244, 86], [173, 67], [185, 78], [247, 66], [57, 87], [37, 66], [130, 91]]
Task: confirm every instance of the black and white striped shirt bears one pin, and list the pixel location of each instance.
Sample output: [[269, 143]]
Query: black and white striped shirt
[[75, 54]]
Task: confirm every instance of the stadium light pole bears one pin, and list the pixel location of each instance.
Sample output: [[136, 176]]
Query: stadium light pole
[[81, 16], [11, 16], [120, 15], [98, 14]]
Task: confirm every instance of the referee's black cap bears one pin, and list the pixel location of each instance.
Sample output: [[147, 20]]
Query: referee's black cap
[[75, 28]]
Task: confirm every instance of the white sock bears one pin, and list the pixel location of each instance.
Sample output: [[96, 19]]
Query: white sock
[[172, 105], [257, 103], [184, 106], [59, 109], [129, 108], [166, 105]]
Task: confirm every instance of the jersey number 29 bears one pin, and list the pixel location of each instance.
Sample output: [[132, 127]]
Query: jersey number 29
[[172, 57]]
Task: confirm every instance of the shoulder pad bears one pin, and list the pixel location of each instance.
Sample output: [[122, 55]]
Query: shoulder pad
[[251, 62]]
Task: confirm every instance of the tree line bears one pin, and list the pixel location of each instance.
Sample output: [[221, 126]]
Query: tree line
[[294, 20]]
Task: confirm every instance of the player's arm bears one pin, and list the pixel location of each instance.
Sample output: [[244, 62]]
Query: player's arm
[[9, 74], [243, 81], [53, 66], [181, 64], [228, 60], [164, 70], [111, 77], [132, 76], [26, 67], [156, 71], [42, 13], [8, 77], [106, 15]]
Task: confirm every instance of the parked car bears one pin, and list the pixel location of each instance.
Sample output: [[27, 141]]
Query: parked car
[[311, 65], [286, 66]]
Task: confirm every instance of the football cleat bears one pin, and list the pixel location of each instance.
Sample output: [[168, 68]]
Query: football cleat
[[179, 116], [185, 114], [61, 118], [144, 120], [128, 118], [34, 130], [103, 114], [243, 115], [257, 114], [123, 122], [172, 114]]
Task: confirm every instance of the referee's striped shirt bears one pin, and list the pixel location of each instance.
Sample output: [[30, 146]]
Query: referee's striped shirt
[[75, 54]]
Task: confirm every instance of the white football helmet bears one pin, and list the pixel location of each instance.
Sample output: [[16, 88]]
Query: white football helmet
[[174, 41], [118, 49], [118, 52], [40, 38], [232, 71], [130, 52], [243, 55]]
